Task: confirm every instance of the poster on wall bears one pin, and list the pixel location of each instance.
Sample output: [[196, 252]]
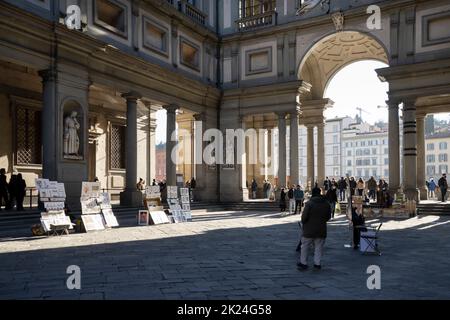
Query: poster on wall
[[42, 184]]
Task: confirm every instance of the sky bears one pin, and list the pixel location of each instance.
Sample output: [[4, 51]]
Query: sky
[[355, 86]]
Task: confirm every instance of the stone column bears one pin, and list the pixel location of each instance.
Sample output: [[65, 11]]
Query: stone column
[[281, 149], [410, 149], [310, 155], [131, 196], [320, 153], [171, 168], [200, 167], [420, 120], [49, 134], [293, 157], [394, 147], [243, 166]]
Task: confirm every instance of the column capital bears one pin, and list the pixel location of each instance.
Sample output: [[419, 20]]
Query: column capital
[[281, 115], [131, 96], [392, 104], [47, 75], [171, 108], [200, 116], [409, 102]]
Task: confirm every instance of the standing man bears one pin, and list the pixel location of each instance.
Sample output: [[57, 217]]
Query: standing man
[[332, 199], [254, 188], [342, 188], [291, 200], [299, 196], [327, 184], [3, 189], [352, 186], [443, 186], [314, 219], [372, 186], [431, 188]]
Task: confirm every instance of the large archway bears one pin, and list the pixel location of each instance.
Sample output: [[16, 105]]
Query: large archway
[[332, 53], [324, 59]]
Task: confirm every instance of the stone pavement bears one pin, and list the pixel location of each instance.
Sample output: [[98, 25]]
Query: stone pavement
[[227, 255]]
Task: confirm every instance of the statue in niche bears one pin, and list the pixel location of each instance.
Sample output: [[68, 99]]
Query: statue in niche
[[71, 139]]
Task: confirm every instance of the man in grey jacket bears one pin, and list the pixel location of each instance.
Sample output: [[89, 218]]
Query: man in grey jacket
[[315, 215]]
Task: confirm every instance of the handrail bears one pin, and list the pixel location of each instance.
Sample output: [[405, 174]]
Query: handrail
[[193, 12], [268, 18]]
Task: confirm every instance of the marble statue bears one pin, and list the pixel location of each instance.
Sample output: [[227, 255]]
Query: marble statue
[[71, 139]]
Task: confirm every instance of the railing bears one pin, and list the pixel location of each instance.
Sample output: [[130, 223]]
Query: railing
[[192, 12], [268, 18]]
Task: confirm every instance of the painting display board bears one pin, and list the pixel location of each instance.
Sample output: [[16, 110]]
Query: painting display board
[[158, 217], [180, 211], [185, 203], [53, 195], [96, 208]]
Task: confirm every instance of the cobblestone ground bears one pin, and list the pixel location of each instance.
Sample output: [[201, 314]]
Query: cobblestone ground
[[227, 255]]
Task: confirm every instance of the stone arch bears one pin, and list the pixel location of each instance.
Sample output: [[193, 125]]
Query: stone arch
[[331, 53]]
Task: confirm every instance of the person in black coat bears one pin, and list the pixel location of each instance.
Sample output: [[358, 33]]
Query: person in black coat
[[314, 219], [21, 187], [443, 186], [283, 200], [358, 221], [332, 199], [4, 197], [342, 185]]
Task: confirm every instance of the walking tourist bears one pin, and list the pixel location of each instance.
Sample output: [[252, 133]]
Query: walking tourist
[[4, 198], [315, 215], [443, 186], [342, 187], [299, 196], [332, 199], [431, 188]]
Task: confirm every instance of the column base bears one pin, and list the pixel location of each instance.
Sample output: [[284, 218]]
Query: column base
[[412, 194], [423, 193], [131, 198], [245, 195]]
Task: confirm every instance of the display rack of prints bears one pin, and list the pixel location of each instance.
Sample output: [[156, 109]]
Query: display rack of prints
[[96, 208], [53, 196], [185, 203]]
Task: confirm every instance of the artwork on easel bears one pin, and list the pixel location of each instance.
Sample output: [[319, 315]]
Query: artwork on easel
[[90, 206], [110, 218], [93, 222]]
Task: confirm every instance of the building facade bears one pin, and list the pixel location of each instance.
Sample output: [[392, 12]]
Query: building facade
[[437, 154], [83, 80]]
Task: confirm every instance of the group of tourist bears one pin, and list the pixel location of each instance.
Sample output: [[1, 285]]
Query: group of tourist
[[440, 188], [294, 196], [13, 192], [371, 190]]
